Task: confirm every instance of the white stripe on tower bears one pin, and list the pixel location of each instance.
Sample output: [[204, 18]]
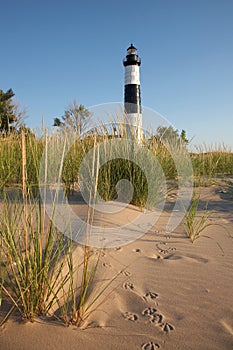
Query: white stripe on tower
[[132, 98], [132, 75]]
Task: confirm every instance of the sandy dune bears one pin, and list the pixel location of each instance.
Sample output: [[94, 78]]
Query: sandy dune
[[172, 294]]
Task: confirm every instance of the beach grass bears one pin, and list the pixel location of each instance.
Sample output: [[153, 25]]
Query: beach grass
[[39, 275], [194, 222]]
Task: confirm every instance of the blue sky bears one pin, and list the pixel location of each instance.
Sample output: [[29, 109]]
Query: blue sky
[[55, 51]]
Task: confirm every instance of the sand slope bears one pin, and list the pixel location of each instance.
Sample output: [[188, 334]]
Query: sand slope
[[171, 294]]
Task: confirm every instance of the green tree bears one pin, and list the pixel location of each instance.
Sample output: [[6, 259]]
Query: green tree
[[76, 118], [183, 136], [7, 112], [169, 134], [11, 118]]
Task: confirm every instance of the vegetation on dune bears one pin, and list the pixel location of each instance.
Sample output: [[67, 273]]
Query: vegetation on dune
[[38, 272], [76, 118], [42, 271], [194, 223], [209, 162], [11, 117]]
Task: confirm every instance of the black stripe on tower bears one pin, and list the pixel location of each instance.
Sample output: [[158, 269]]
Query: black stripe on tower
[[132, 98]]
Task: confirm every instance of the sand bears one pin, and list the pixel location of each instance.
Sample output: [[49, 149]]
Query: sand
[[172, 293]]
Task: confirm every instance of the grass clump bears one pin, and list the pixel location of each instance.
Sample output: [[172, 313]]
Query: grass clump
[[193, 223], [30, 256], [42, 272], [114, 171]]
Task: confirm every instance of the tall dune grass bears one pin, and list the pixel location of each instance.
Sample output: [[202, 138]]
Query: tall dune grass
[[38, 272], [42, 272], [209, 162]]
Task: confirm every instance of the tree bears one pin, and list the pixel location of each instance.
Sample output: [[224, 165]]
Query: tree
[[20, 117], [7, 116], [183, 136], [76, 118], [169, 134], [11, 118]]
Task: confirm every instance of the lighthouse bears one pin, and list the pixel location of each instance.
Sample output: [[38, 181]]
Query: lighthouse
[[132, 94]]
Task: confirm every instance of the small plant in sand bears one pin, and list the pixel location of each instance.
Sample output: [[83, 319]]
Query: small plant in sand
[[193, 223]]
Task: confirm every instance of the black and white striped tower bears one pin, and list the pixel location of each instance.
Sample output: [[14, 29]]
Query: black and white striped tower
[[132, 96]]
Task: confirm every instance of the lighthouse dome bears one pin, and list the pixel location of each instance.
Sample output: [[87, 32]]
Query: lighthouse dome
[[131, 57], [132, 50]]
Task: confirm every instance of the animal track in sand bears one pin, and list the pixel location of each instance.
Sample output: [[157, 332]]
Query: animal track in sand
[[106, 264], [150, 346], [149, 311], [150, 295], [129, 286], [153, 315], [130, 316], [167, 327], [137, 250], [157, 319], [126, 273], [164, 250]]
